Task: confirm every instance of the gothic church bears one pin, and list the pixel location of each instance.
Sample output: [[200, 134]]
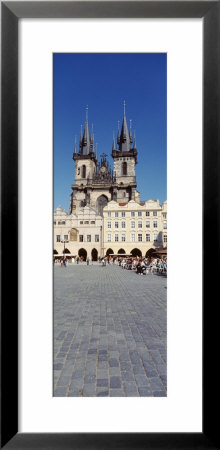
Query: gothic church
[[95, 182]]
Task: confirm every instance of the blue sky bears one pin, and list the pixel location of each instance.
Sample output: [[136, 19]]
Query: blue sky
[[103, 81]]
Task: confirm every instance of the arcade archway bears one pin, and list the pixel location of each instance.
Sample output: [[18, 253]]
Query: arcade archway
[[109, 252], [94, 254], [82, 253], [150, 253], [136, 252]]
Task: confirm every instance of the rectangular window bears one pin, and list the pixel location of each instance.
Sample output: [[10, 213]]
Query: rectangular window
[[164, 216], [147, 213], [116, 237], [86, 222], [132, 237], [81, 238], [165, 225], [139, 213], [147, 237], [123, 214], [154, 213], [116, 224], [155, 237], [165, 238], [92, 222], [116, 214], [58, 237], [66, 237], [155, 223], [96, 237], [147, 224], [88, 237], [139, 237], [81, 222], [132, 213], [61, 222], [109, 214], [123, 237], [139, 224], [109, 224], [123, 224], [132, 224], [109, 237]]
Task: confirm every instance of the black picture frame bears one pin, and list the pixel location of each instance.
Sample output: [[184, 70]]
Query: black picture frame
[[11, 12]]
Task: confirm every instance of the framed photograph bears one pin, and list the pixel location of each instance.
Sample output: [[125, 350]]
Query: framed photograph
[[34, 413]]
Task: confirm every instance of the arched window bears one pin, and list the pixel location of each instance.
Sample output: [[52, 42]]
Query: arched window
[[101, 203], [83, 171], [124, 168]]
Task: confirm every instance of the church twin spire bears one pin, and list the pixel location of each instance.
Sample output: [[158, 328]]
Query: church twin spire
[[124, 138]]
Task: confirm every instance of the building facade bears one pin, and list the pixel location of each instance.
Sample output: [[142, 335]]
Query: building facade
[[134, 228], [95, 183], [105, 214], [79, 235]]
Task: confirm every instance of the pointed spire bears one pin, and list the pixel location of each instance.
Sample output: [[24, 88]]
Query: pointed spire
[[85, 141], [124, 144], [124, 108], [92, 140], [130, 132]]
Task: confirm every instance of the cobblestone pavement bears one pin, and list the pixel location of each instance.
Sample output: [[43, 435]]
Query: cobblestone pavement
[[109, 332]]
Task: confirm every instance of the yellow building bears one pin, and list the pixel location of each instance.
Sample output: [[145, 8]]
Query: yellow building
[[134, 228], [80, 235]]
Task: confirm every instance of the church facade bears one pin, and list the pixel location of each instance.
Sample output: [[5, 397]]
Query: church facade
[[95, 182], [99, 191]]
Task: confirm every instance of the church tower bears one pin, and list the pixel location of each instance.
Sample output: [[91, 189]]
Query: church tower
[[95, 183], [125, 160], [85, 168]]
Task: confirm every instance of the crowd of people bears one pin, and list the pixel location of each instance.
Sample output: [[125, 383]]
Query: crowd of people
[[141, 265]]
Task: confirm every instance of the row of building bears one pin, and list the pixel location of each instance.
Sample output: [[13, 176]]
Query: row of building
[[106, 215]]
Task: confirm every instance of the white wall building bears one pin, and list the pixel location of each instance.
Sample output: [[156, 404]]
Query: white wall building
[[80, 234], [133, 226]]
